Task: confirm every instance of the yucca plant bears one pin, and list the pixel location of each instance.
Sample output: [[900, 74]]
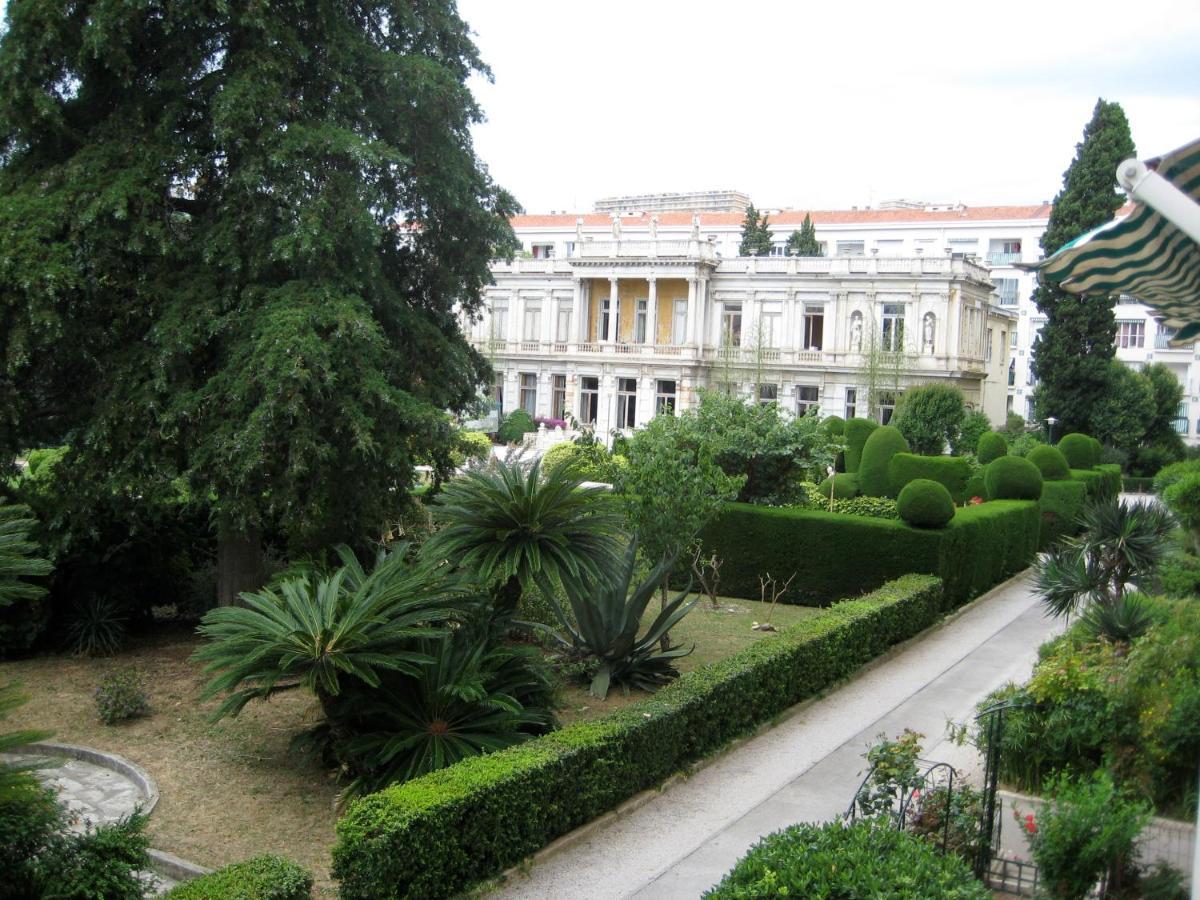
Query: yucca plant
[[607, 618], [19, 559], [512, 526], [315, 632], [1120, 544], [477, 696]]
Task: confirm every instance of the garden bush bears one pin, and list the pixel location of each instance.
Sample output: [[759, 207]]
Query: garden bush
[[259, 878], [119, 696], [1168, 475], [865, 859], [843, 484], [591, 462], [884, 443], [930, 416], [1102, 483], [925, 504], [515, 426], [856, 433], [1081, 451], [1012, 478], [952, 472], [1060, 504], [834, 425], [437, 835], [1183, 499], [992, 445], [1050, 462], [975, 488], [841, 556], [472, 445], [975, 425]]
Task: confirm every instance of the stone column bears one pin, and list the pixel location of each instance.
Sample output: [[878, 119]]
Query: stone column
[[577, 333], [610, 332], [691, 330], [549, 318], [652, 312], [704, 304]]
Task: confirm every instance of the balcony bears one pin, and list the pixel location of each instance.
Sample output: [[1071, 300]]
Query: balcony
[[1002, 258], [567, 348], [657, 249]]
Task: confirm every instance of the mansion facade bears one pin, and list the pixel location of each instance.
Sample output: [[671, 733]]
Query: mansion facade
[[612, 326]]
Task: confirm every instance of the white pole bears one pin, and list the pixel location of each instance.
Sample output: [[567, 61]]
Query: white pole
[[1160, 195]]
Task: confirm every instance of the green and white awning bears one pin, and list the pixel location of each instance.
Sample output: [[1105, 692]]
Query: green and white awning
[[1153, 255]]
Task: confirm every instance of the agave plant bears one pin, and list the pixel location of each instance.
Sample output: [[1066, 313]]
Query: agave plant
[[515, 526], [315, 632], [1120, 544], [607, 618], [19, 561], [477, 696]]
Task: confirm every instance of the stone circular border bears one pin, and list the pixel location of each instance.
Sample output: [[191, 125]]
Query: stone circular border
[[135, 773]]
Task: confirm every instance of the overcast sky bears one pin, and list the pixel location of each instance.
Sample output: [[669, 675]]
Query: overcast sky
[[820, 106]]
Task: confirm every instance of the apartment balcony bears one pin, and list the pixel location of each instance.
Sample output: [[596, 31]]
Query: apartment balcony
[[1000, 258], [1162, 343]]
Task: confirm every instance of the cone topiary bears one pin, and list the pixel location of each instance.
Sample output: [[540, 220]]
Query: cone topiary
[[856, 433], [925, 504], [1050, 462], [992, 445], [1080, 451], [1012, 478], [874, 479]]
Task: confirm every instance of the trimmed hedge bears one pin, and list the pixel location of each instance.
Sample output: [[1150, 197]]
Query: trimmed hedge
[[925, 504], [1080, 450], [258, 878], [884, 443], [992, 445], [952, 472], [834, 425], [856, 433], [842, 556], [1102, 482], [843, 484], [1060, 505], [1113, 482], [1012, 478], [438, 835], [1050, 462]]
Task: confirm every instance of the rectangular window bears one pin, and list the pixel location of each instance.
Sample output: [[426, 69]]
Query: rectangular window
[[850, 248], [890, 247], [731, 325], [664, 398], [589, 398], [768, 393], [987, 351], [529, 392], [500, 322], [558, 396], [543, 251], [626, 402], [570, 248], [814, 326], [807, 398], [498, 392], [605, 333], [779, 248], [562, 323], [770, 324], [678, 322], [1007, 289], [1004, 253], [851, 403], [639, 322], [887, 406], [533, 322], [1131, 335], [893, 328]]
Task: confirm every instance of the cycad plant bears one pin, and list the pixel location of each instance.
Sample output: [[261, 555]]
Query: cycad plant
[[607, 618], [1120, 544], [511, 527], [316, 632], [19, 560]]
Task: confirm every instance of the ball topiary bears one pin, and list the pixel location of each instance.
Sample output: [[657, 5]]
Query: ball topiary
[[844, 485], [1079, 450], [1012, 478], [873, 477], [834, 425], [992, 445], [1050, 462], [856, 433], [925, 504]]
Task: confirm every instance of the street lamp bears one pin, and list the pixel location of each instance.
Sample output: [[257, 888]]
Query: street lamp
[[1051, 422]]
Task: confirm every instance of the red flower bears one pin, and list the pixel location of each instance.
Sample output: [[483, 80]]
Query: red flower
[[1030, 825], [975, 501]]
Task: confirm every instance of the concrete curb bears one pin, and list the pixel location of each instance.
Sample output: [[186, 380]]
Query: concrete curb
[[105, 760], [637, 801], [174, 867]]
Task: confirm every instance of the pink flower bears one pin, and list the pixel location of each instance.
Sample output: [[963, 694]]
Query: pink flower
[[1030, 825], [975, 501]]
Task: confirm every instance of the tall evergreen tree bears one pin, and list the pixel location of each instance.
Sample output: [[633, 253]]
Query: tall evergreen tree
[[234, 238], [1071, 355], [756, 236], [804, 241]]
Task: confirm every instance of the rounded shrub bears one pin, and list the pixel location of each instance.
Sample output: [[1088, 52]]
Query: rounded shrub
[[515, 425], [1050, 462], [975, 488], [1012, 478], [844, 486], [992, 445], [1168, 475], [925, 504], [472, 445], [1079, 450], [874, 479], [859, 860], [834, 425], [261, 877], [856, 433]]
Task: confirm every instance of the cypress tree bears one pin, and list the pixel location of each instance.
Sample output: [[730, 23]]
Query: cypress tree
[[756, 236], [804, 241], [1071, 355]]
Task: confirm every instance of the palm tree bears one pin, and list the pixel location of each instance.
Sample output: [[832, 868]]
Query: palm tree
[[315, 632], [513, 528]]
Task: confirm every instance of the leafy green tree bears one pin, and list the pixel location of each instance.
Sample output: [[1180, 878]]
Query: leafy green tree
[[236, 237], [1120, 418], [930, 417], [1072, 352], [804, 242], [19, 556], [975, 425], [756, 236]]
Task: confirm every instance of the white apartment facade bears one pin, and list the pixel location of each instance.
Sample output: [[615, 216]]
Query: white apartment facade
[[995, 238], [613, 321]]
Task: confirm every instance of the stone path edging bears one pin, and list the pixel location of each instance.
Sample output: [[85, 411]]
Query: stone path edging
[[174, 867], [135, 773]]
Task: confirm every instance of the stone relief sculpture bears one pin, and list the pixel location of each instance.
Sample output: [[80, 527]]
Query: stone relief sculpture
[[928, 331], [856, 332]]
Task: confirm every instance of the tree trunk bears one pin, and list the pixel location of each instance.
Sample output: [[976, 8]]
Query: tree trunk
[[241, 565]]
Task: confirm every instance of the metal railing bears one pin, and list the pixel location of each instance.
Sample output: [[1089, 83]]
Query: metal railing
[[1002, 258]]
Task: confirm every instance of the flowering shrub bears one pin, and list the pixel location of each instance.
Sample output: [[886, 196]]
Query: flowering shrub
[[120, 696], [549, 422]]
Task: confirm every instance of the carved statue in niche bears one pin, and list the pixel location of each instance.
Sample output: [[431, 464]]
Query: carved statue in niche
[[616, 227], [856, 332], [654, 228], [927, 333], [695, 226]]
